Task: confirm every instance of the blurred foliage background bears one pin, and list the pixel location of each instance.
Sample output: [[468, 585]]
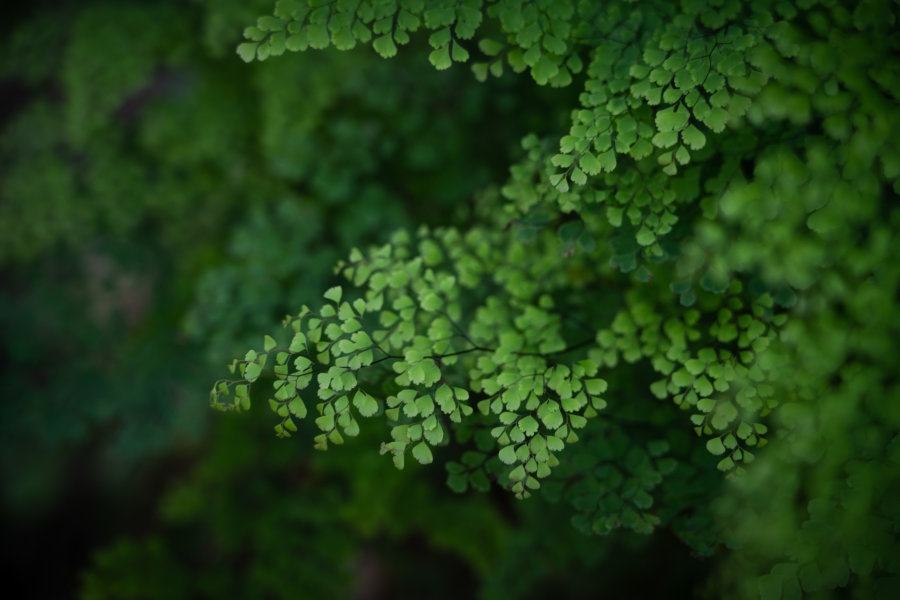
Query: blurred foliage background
[[156, 195]]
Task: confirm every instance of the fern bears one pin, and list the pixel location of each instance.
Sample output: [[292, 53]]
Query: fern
[[721, 213]]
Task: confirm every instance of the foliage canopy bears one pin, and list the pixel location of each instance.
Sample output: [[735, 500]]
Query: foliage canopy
[[677, 313], [722, 212]]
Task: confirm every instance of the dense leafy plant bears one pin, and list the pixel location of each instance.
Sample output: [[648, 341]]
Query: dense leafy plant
[[161, 202], [717, 225], [184, 206]]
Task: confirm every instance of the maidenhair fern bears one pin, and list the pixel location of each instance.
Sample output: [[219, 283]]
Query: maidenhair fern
[[721, 213]]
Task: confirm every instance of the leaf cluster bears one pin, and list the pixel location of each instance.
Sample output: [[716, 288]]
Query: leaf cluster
[[719, 213]]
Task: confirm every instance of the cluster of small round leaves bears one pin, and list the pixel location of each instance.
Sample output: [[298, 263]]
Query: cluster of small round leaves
[[505, 358], [539, 407], [532, 199], [613, 480], [662, 98], [451, 21], [537, 33], [724, 381], [535, 36], [642, 204], [298, 25], [688, 79], [748, 151]]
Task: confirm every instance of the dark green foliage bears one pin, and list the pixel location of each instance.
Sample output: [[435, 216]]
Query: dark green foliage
[[638, 267], [186, 187], [721, 213], [149, 230], [267, 532]]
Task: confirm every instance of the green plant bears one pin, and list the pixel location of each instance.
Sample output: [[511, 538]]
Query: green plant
[[177, 208], [161, 202], [714, 230]]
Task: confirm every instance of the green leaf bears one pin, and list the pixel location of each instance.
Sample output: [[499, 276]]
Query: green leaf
[[562, 160], [424, 405], [703, 386], [334, 294], [317, 33], [422, 453], [365, 404], [444, 398], [552, 419], [607, 160], [654, 56], [688, 298], [528, 425], [665, 139], [589, 164], [517, 474], [333, 331], [252, 372], [694, 366], [399, 460], [716, 119], [440, 58], [554, 444], [298, 343], [715, 446], [682, 378], [297, 408], [706, 404], [726, 412], [325, 423], [247, 51], [435, 435], [343, 39], [672, 119], [458, 53], [595, 386], [269, 23], [508, 455], [693, 138], [254, 34], [457, 482], [659, 389], [568, 232], [298, 42], [301, 364], [544, 69], [490, 47], [645, 237], [384, 45], [431, 252], [431, 302], [643, 500]]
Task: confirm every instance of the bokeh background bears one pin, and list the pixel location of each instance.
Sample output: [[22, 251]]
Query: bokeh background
[[161, 205]]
